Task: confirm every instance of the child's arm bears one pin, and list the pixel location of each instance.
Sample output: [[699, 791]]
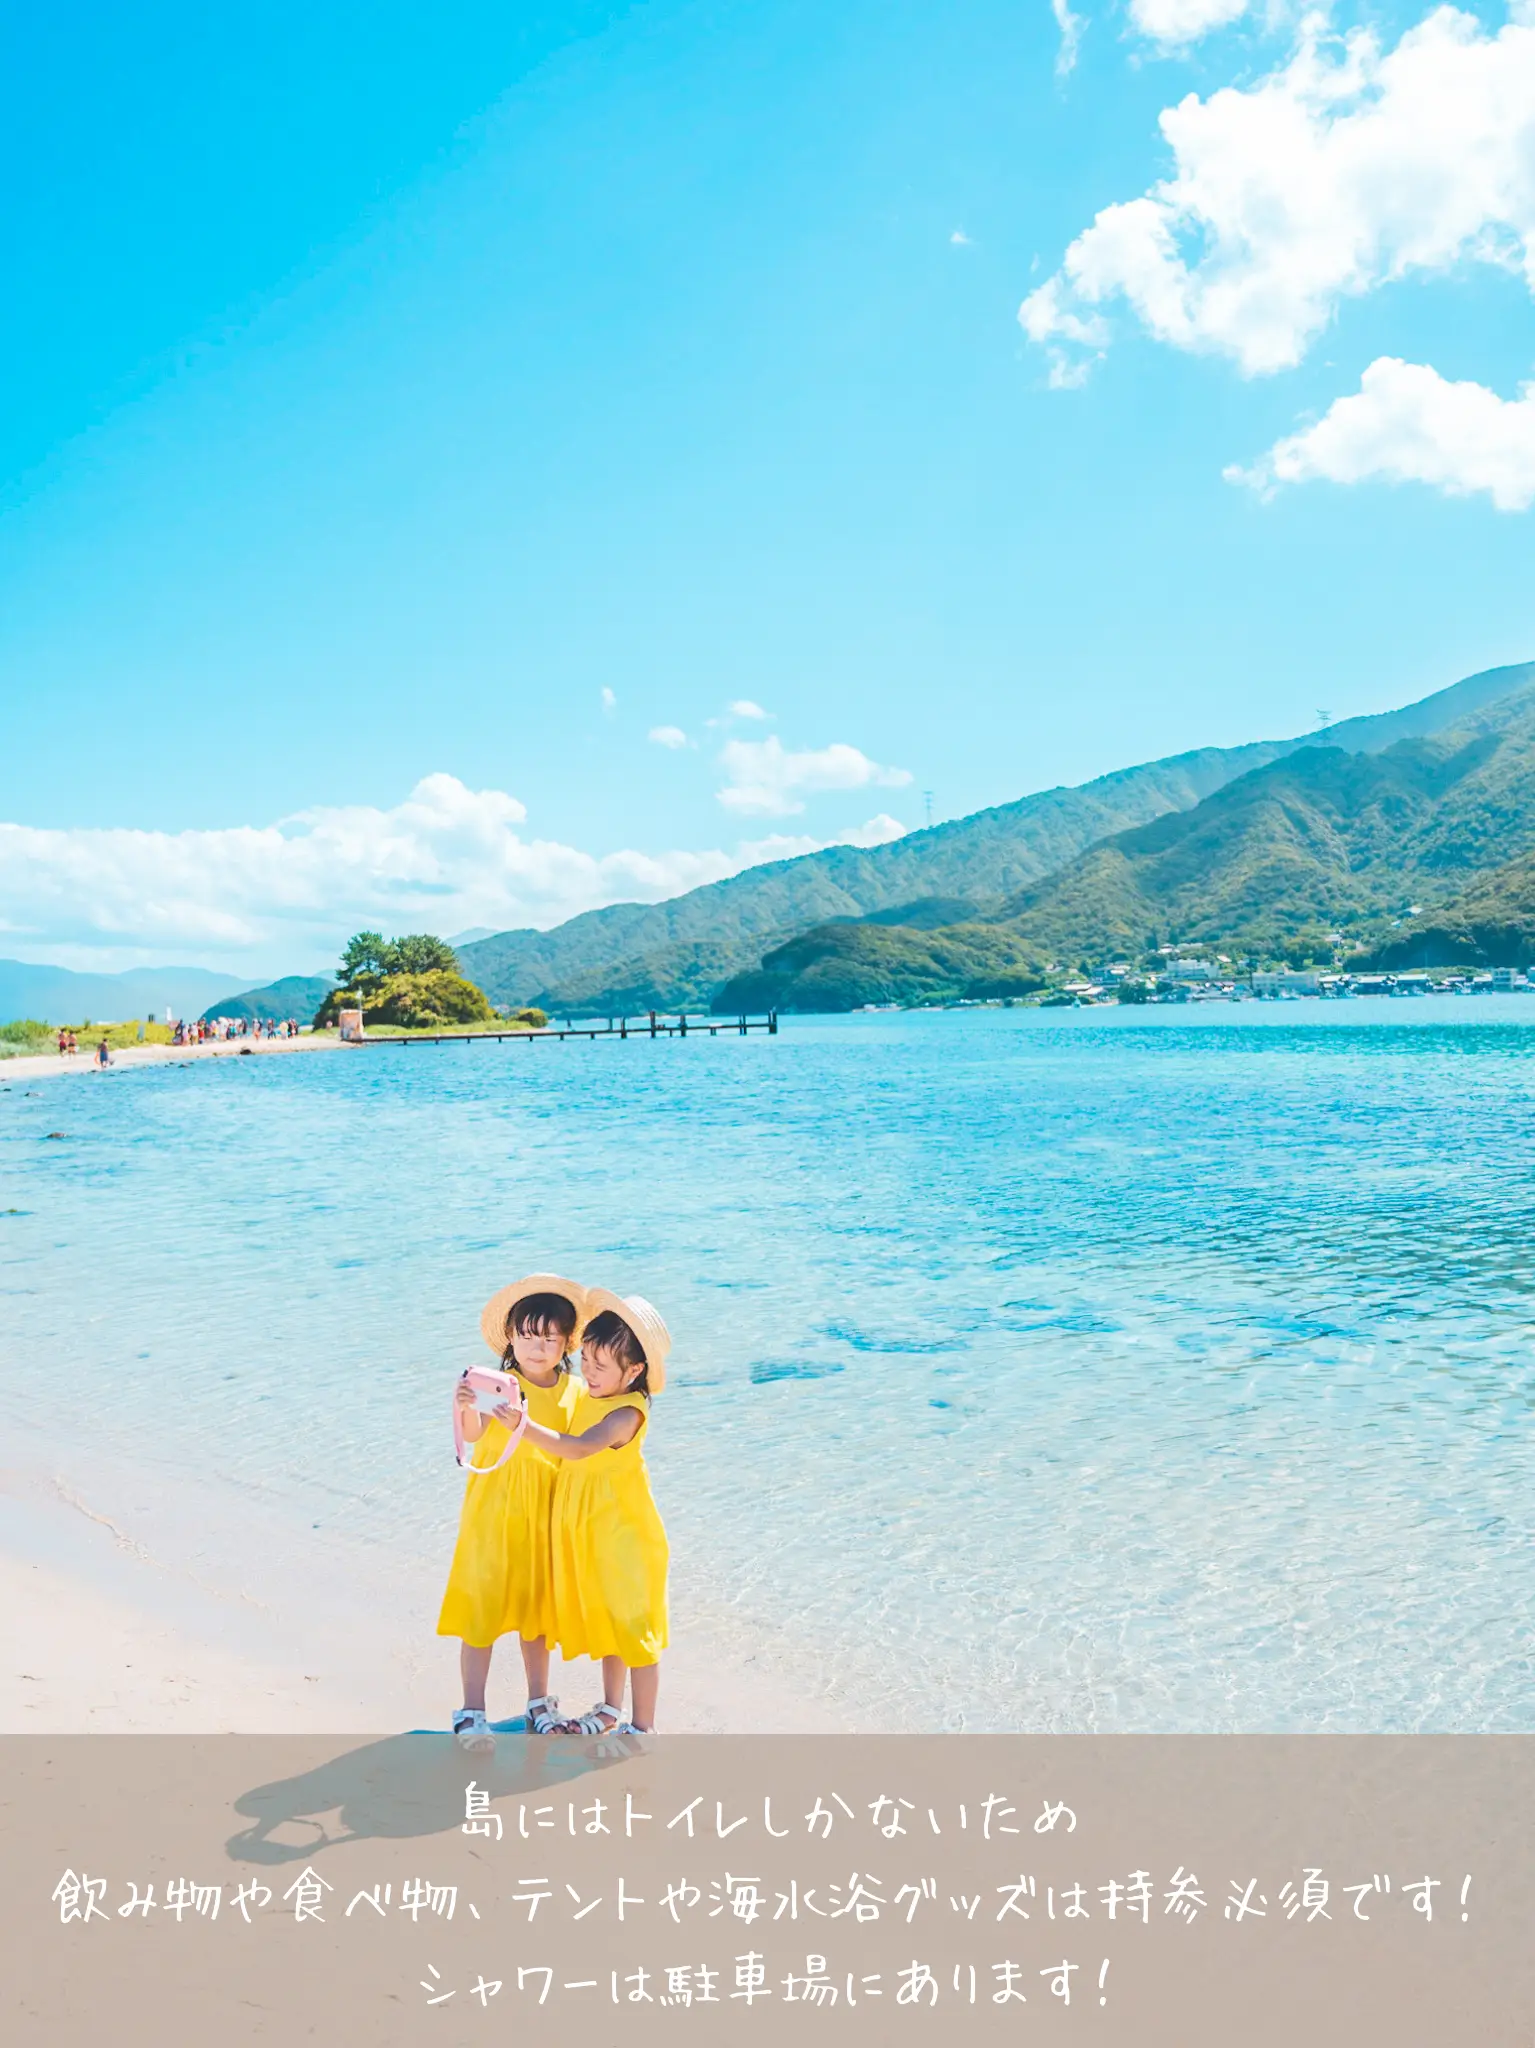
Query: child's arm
[[607, 1435]]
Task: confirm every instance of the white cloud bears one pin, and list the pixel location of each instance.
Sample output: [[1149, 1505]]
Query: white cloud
[[739, 707], [876, 831], [960, 240], [1349, 167], [1071, 27], [668, 736], [1407, 424], [1176, 23], [266, 899], [766, 779], [609, 701]]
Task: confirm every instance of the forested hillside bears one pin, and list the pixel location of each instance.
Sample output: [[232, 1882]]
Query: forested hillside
[[680, 954], [1427, 848]]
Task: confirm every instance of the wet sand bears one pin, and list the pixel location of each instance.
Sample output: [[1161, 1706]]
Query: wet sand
[[158, 1601]]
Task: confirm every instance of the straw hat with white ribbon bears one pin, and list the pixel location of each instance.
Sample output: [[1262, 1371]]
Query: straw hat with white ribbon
[[644, 1319], [496, 1313]]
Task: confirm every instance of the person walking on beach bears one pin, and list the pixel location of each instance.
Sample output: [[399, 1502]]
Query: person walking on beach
[[608, 1541], [103, 1054], [500, 1583]]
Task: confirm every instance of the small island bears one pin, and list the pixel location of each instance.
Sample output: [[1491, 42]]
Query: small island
[[412, 984]]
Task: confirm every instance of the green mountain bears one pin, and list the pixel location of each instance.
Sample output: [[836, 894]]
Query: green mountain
[[844, 965], [296, 995], [678, 954], [674, 955], [1325, 839], [1274, 864], [1490, 924]]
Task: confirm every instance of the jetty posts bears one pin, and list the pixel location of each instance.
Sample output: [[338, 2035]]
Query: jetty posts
[[649, 1024]]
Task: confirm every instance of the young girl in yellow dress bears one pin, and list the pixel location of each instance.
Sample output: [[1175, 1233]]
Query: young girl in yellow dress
[[500, 1582], [608, 1544]]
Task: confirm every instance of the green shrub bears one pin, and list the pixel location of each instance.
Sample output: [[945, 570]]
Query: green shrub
[[426, 1002], [25, 1031]]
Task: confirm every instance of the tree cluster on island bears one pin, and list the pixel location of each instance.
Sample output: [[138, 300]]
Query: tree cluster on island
[[414, 983]]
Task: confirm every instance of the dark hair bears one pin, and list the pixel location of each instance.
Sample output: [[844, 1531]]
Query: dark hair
[[609, 1332], [540, 1315]]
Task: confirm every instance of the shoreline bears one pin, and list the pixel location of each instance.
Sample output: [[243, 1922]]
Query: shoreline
[[48, 1066], [152, 1601]]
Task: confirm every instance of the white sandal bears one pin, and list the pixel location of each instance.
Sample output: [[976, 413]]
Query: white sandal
[[592, 1723], [471, 1730], [543, 1716]]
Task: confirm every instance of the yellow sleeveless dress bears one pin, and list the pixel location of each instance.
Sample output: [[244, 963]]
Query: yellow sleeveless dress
[[499, 1583], [609, 1546]]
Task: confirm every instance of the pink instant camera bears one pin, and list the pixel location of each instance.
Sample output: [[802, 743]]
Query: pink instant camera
[[490, 1389]]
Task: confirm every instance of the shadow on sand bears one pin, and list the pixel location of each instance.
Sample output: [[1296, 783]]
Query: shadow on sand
[[403, 1786]]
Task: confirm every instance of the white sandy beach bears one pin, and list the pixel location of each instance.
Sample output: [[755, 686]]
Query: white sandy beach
[[160, 1602], [51, 1065]]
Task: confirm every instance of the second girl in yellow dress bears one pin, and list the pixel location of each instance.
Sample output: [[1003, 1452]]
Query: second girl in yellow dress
[[608, 1545]]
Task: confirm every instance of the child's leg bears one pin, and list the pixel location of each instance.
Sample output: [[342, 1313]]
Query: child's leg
[[474, 1664], [614, 1672], [644, 1687], [535, 1663]]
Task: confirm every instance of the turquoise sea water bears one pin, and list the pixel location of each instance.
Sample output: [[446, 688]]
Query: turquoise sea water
[[1083, 1370]]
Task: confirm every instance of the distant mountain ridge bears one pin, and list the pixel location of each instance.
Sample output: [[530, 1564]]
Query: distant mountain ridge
[[1213, 841], [295, 995], [1321, 838], [58, 995], [680, 953], [1317, 849]]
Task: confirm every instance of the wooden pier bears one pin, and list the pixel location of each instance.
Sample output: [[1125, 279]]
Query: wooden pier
[[651, 1024]]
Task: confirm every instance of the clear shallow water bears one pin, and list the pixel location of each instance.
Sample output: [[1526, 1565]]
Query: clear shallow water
[[1073, 1371]]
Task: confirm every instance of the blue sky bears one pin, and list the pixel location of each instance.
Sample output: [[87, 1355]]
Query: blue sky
[[404, 400]]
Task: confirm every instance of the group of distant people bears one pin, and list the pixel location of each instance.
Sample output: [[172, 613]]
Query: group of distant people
[[234, 1027], [197, 1032], [69, 1044]]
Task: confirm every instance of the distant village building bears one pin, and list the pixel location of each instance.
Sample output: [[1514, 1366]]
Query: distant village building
[[1191, 970], [1288, 981]]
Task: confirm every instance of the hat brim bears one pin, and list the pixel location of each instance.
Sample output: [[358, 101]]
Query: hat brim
[[644, 1319], [493, 1317]]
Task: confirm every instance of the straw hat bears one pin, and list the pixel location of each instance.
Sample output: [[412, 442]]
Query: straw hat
[[500, 1305], [644, 1320]]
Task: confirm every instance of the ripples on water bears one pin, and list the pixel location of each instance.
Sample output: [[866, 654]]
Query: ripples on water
[[1066, 1371]]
